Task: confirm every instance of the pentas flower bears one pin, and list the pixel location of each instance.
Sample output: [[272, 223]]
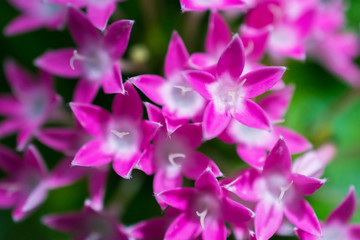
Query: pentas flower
[[36, 14], [202, 5], [337, 226], [95, 60], [88, 224], [278, 192], [98, 12], [28, 181], [205, 209], [229, 92], [120, 138], [179, 100], [253, 144], [34, 102], [172, 156]]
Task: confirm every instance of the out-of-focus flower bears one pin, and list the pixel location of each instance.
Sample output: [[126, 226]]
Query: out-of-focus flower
[[36, 14], [34, 102], [95, 61], [229, 92], [202, 5], [120, 138]]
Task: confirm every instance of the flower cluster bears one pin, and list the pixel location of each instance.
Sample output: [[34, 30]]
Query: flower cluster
[[226, 92]]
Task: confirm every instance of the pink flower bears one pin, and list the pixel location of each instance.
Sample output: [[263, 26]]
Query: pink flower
[[278, 192], [174, 155], [120, 138], [36, 14], [229, 92], [33, 104], [174, 93], [337, 225], [95, 61], [202, 5], [88, 224], [205, 209]]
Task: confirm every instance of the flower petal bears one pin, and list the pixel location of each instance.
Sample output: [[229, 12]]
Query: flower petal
[[9, 161], [123, 166], [112, 82], [232, 60], [207, 182], [9, 105], [279, 159], [34, 159], [97, 185], [235, 212], [254, 156], [23, 24], [150, 85], [218, 35], [36, 197], [9, 126], [178, 198], [183, 228], [214, 229], [199, 81], [65, 222], [165, 179], [148, 130], [307, 185], [296, 142], [197, 164], [18, 78], [117, 36], [91, 155], [268, 219], [85, 91], [344, 212], [24, 137], [99, 15], [214, 122]]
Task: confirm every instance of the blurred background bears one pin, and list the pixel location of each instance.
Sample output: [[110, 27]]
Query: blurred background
[[323, 109]]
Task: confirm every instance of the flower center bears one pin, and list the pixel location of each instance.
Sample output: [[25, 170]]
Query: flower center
[[173, 156]]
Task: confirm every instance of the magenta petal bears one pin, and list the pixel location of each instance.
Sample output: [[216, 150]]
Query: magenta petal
[[296, 142], [146, 163], [190, 133], [9, 126], [112, 82], [300, 213], [117, 36], [150, 229], [128, 105], [176, 57], [7, 199], [148, 130], [250, 114], [344, 212], [307, 185], [302, 235], [214, 230], [184, 228], [24, 137], [85, 91], [99, 15], [279, 159], [91, 155], [18, 78], [34, 159], [23, 24], [178, 198], [92, 118], [64, 222], [60, 139], [9, 105], [354, 232], [214, 122], [165, 179], [218, 36], [197, 164], [58, 62], [207, 182], [254, 156], [154, 113], [9, 161], [81, 29], [232, 60], [124, 166], [234, 212], [150, 85], [261, 80], [199, 80], [201, 60], [268, 219], [97, 185], [36, 197], [18, 214]]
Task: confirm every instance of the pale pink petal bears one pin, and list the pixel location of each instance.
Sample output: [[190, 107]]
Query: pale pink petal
[[235, 212], [214, 230], [91, 155], [214, 122], [232, 60], [268, 219], [128, 105], [218, 35], [344, 212], [85, 91], [296, 142], [123, 166], [117, 36], [81, 29], [300, 213], [184, 227], [24, 23], [261, 80], [34, 159], [150, 85], [250, 114], [99, 15], [199, 80], [97, 186], [9, 105], [306, 185], [60, 139], [92, 118], [58, 62], [279, 159], [176, 57], [207, 182], [178, 198], [36, 197], [254, 156], [112, 82]]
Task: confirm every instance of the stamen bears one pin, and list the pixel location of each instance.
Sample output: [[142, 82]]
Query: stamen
[[119, 134], [183, 89], [80, 57], [202, 216], [249, 48], [172, 157], [284, 189], [232, 94]]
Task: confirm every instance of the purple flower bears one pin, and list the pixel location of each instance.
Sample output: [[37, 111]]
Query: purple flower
[[88, 224], [202, 5], [33, 103], [174, 155], [36, 14], [95, 61], [229, 92], [337, 225], [205, 209], [120, 138], [278, 192]]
